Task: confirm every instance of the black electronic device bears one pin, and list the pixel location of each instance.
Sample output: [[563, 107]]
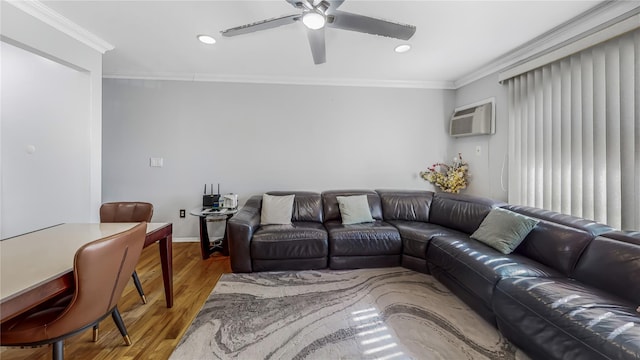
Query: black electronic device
[[211, 200]]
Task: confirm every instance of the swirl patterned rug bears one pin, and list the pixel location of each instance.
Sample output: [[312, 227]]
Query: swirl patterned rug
[[390, 313]]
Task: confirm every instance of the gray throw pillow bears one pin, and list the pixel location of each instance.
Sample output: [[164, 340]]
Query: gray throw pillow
[[504, 230], [276, 210], [354, 209]]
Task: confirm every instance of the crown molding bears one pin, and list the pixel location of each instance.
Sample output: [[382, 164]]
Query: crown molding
[[287, 80], [47, 15], [579, 27]]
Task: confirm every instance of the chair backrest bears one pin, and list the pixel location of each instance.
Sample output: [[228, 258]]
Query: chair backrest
[[102, 269], [128, 211]]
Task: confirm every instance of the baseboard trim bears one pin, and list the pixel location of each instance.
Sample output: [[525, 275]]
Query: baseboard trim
[[186, 239]]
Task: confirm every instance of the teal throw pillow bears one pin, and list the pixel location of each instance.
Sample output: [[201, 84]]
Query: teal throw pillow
[[504, 230], [354, 209]]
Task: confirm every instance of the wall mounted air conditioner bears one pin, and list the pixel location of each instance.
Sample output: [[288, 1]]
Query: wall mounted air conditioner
[[474, 119]]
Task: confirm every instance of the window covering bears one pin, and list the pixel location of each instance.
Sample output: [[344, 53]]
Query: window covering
[[574, 134]]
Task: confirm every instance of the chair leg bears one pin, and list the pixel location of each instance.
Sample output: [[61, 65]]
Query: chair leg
[[58, 350], [96, 329], [115, 314], [136, 282]]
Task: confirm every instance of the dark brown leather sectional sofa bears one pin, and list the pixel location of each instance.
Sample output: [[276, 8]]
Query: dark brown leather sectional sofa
[[569, 291]]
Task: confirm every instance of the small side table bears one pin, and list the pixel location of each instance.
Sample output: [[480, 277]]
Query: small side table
[[207, 248]]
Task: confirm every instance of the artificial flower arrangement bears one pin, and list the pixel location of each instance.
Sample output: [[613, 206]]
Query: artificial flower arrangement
[[449, 178]]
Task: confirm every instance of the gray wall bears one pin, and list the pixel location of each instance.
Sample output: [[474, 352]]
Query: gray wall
[[252, 138], [489, 169]]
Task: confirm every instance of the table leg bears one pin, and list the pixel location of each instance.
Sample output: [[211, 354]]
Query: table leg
[[205, 244], [225, 241], [206, 248], [166, 259]]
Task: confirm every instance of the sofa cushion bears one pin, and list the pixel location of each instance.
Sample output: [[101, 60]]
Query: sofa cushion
[[409, 205], [558, 240], [289, 264], [307, 205], [459, 212], [354, 209], [276, 209], [298, 240], [332, 209], [589, 226], [364, 261], [562, 318], [416, 236], [612, 262], [478, 267], [376, 238], [504, 230]]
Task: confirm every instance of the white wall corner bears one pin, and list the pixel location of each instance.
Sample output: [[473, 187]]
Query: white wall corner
[[583, 25], [47, 15]]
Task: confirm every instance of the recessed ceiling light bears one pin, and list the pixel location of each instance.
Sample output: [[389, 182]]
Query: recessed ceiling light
[[402, 48], [206, 39]]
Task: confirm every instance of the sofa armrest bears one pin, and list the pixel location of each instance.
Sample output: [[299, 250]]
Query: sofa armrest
[[240, 229]]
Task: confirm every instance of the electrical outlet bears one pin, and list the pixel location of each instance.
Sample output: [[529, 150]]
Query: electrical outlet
[[156, 162], [182, 213]]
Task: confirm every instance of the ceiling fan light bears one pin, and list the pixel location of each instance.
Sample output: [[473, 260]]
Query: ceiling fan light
[[402, 48], [313, 20], [206, 39]]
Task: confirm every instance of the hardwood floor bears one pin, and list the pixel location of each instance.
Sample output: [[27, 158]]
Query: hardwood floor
[[154, 329]]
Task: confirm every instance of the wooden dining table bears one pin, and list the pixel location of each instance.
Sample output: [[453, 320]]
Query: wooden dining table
[[38, 266]]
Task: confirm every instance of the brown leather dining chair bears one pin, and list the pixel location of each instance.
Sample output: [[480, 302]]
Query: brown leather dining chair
[[128, 211], [101, 270]]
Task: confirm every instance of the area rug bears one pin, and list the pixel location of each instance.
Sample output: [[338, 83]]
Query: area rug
[[390, 313]]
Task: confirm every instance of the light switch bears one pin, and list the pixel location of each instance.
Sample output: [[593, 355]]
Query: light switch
[[156, 162], [478, 150]]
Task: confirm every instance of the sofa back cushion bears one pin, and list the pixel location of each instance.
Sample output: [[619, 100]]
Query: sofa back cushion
[[332, 209], [558, 240], [612, 263], [459, 212], [411, 205], [307, 205]]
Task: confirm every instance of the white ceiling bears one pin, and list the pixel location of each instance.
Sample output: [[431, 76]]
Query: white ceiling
[[157, 39]]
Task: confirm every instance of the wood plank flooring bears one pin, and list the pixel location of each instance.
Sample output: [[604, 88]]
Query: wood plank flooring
[[154, 329]]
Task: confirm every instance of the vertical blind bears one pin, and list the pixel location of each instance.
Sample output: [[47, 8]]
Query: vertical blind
[[574, 134]]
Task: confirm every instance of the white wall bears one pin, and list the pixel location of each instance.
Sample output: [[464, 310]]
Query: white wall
[[253, 138], [44, 140], [81, 134], [488, 177]]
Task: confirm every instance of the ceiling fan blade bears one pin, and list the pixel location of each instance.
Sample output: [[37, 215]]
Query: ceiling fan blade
[[261, 25], [355, 22], [316, 41], [334, 4]]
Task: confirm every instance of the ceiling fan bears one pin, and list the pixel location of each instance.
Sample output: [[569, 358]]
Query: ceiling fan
[[316, 14]]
